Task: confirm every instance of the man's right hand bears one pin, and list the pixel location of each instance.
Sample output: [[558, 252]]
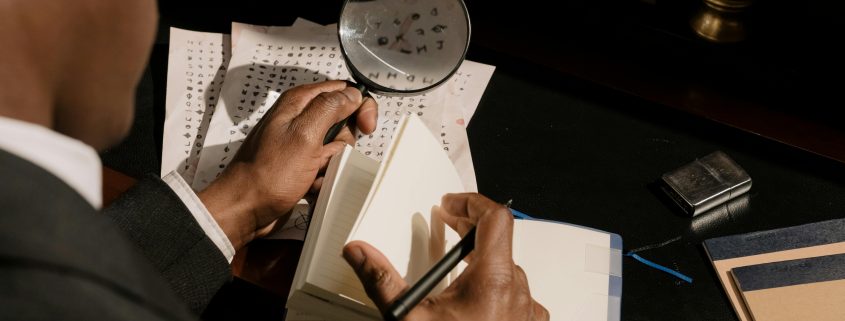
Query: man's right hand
[[492, 287]]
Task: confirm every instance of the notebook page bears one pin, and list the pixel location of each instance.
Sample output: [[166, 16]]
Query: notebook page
[[554, 257], [397, 218], [315, 226], [299, 301], [196, 68], [328, 270]]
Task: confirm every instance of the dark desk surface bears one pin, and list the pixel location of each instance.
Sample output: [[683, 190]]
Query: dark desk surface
[[568, 150]]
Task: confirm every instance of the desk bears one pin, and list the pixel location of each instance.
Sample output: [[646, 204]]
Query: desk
[[566, 149]]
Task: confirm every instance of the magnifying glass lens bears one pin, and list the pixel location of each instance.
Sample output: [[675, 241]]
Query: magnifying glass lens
[[403, 46]]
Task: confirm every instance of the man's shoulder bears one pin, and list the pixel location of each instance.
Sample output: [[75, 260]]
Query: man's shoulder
[[49, 232]]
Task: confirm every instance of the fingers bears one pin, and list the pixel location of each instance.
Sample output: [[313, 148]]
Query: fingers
[[325, 110], [367, 116], [493, 221], [293, 101], [316, 185], [540, 312], [469, 205], [457, 223], [494, 237], [329, 150], [345, 135], [381, 281]]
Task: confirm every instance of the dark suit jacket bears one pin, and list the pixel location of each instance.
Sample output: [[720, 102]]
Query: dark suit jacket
[[144, 258]]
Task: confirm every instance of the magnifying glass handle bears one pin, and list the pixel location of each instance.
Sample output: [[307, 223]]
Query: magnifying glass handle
[[335, 129]]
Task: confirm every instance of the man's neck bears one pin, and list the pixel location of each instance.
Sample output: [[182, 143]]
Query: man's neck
[[27, 89]]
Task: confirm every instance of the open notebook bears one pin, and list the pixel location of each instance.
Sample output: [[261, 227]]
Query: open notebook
[[575, 272]]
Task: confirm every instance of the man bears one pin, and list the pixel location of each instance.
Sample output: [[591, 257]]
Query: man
[[67, 78]]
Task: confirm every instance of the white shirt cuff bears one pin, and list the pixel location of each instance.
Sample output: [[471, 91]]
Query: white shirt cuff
[[201, 214]]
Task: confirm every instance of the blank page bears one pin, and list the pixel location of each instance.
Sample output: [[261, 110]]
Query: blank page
[[397, 220], [568, 268]]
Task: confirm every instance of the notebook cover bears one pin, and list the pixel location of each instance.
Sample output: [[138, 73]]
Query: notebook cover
[[790, 243], [804, 289]]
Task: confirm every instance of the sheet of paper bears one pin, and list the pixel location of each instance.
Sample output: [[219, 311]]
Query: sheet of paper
[[202, 136], [262, 67], [296, 226], [265, 64], [196, 68], [469, 83], [453, 137], [237, 27]]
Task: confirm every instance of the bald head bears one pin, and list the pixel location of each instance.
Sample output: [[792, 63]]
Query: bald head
[[73, 65]]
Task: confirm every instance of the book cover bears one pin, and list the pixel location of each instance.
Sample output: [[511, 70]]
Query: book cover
[[803, 289], [790, 243]]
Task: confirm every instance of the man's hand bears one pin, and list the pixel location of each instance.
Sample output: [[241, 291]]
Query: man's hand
[[282, 158], [492, 287]]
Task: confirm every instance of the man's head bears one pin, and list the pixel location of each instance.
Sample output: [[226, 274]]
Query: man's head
[[73, 65]]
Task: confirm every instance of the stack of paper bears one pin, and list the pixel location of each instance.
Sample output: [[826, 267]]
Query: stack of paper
[[219, 86]]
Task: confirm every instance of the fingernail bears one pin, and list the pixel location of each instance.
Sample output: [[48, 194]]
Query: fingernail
[[353, 255]]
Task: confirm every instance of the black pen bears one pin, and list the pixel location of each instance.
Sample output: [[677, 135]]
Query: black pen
[[408, 300]]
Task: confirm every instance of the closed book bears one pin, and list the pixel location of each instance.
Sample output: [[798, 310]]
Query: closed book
[[790, 243], [803, 289]]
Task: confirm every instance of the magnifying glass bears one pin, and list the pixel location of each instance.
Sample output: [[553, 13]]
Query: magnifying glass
[[402, 47]]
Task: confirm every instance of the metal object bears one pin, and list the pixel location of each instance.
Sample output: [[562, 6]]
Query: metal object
[[706, 183], [721, 20]]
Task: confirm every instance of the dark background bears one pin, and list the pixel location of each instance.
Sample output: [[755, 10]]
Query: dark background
[[590, 103]]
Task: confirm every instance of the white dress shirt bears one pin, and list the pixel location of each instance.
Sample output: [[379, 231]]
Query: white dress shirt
[[78, 165]]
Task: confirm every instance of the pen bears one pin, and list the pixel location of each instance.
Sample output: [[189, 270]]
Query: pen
[[335, 129], [417, 293]]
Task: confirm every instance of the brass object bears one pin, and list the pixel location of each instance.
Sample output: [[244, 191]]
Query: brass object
[[721, 20]]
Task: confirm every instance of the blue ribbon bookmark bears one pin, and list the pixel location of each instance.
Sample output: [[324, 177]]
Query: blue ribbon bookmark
[[659, 267], [520, 215]]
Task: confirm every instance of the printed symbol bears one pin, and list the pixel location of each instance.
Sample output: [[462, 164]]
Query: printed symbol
[[302, 220]]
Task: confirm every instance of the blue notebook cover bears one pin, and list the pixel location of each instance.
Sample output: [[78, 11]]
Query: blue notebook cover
[[804, 289], [790, 273], [782, 239]]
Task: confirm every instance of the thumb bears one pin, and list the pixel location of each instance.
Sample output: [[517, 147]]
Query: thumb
[[381, 281]]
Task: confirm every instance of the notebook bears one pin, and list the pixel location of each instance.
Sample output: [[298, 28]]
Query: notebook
[[388, 205], [798, 242], [804, 289]]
